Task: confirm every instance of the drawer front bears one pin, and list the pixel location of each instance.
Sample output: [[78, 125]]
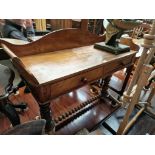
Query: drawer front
[[114, 66], [76, 82], [47, 92]]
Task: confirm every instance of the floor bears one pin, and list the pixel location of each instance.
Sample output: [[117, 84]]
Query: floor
[[99, 111]]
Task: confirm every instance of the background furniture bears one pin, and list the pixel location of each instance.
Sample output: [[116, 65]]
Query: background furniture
[[60, 23], [35, 127], [6, 89], [142, 72]]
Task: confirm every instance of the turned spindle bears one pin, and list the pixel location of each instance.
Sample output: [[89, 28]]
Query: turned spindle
[[139, 79]]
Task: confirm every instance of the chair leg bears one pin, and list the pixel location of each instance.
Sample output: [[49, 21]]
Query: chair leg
[[22, 106], [10, 112]]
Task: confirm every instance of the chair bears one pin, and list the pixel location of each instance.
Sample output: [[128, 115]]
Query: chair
[[6, 89], [35, 127]]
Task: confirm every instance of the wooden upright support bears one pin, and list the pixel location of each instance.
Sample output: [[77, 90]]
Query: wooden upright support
[[40, 24], [139, 80]]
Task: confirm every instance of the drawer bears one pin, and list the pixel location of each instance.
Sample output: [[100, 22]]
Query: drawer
[[114, 66], [76, 81], [64, 86]]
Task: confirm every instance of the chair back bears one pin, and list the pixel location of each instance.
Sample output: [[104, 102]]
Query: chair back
[[6, 79]]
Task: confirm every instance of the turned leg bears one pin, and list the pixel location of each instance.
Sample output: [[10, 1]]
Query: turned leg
[[104, 91], [128, 73], [7, 108], [45, 112]]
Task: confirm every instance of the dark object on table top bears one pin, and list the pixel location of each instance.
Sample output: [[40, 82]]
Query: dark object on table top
[[120, 49]]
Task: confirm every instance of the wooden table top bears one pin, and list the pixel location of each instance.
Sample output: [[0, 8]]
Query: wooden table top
[[55, 65]]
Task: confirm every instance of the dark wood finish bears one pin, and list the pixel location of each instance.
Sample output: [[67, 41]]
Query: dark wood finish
[[61, 62], [45, 113], [68, 100], [87, 119], [90, 119], [35, 127], [128, 74], [105, 87]]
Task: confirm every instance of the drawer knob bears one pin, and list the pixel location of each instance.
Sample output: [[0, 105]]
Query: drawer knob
[[84, 80]]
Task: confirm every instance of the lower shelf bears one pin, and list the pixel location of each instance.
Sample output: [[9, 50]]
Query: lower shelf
[[89, 119]]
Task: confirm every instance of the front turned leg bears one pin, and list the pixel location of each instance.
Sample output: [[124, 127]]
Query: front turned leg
[[104, 91], [45, 112]]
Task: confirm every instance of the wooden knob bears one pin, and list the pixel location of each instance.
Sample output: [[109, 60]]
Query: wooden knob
[[56, 120], [88, 102], [66, 114], [84, 103], [73, 110], [63, 116], [78, 108], [95, 97], [70, 112], [81, 105], [84, 80], [60, 118]]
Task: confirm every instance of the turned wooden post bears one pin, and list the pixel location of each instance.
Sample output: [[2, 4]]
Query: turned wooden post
[[104, 91], [135, 98], [45, 113], [148, 43], [139, 80]]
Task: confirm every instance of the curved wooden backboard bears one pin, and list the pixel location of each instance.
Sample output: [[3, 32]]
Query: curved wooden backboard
[[57, 40]]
